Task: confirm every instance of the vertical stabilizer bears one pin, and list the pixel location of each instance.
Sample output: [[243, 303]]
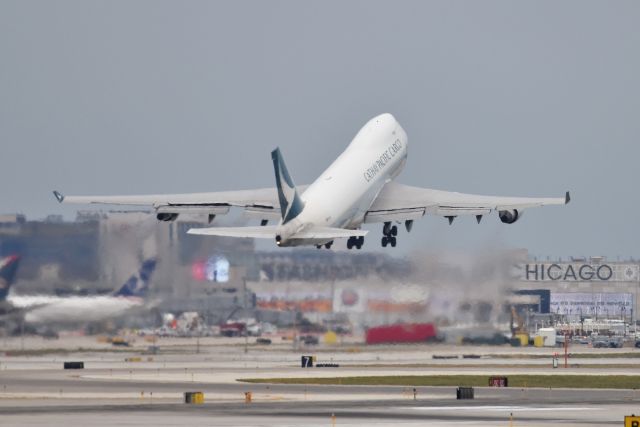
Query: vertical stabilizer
[[8, 268], [138, 284], [290, 203]]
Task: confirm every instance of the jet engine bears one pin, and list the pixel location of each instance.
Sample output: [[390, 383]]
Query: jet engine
[[166, 216], [510, 216]]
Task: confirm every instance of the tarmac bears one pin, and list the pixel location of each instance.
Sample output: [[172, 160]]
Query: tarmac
[[131, 388]]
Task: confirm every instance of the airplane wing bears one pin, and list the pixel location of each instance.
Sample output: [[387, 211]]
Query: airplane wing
[[398, 202], [261, 203], [269, 232]]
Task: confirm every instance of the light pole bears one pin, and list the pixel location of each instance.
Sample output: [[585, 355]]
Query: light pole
[[246, 330], [635, 304]]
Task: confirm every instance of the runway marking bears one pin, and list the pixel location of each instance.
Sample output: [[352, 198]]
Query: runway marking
[[500, 408]]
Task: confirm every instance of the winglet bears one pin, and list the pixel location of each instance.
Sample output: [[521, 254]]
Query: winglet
[[567, 198], [59, 196]]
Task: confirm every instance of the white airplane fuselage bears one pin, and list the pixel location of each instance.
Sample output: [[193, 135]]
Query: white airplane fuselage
[[45, 309], [341, 196]]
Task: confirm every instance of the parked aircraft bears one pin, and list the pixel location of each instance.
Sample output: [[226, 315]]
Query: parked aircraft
[[50, 309]]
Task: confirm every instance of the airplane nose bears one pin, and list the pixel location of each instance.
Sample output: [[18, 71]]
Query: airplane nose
[[401, 133], [385, 118], [383, 123]]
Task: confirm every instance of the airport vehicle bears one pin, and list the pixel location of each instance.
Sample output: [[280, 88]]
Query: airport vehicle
[[8, 269], [48, 309], [612, 342], [580, 340], [401, 333], [309, 340], [357, 188], [616, 342], [233, 329]]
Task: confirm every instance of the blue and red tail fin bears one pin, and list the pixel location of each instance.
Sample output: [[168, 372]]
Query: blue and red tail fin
[[138, 284], [8, 268]]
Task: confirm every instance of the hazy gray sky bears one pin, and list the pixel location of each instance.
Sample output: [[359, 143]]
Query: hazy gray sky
[[497, 97]]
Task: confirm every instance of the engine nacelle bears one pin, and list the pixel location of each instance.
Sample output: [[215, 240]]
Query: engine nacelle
[[510, 216], [166, 216], [286, 231]]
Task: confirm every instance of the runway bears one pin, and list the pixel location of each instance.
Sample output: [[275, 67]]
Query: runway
[[35, 390], [484, 411]]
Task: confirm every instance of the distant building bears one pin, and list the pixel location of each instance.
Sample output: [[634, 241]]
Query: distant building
[[50, 250], [11, 224], [585, 287]]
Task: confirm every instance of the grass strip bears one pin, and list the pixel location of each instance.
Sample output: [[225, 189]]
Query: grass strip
[[584, 355], [519, 381], [506, 365]]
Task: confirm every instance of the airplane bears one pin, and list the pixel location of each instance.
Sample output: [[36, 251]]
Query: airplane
[[356, 189], [49, 309], [8, 269]]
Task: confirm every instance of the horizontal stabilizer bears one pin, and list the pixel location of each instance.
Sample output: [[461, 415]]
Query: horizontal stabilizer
[[258, 232], [269, 232]]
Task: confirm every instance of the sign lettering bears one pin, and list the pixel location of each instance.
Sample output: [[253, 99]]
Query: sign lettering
[[569, 272], [383, 160]]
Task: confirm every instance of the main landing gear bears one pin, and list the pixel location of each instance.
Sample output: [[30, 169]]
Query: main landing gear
[[326, 245], [355, 242], [389, 235]]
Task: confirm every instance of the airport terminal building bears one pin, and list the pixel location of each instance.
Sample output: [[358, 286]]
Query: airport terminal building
[[580, 288], [99, 250]]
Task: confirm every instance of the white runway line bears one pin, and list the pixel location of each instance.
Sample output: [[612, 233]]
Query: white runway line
[[499, 408]]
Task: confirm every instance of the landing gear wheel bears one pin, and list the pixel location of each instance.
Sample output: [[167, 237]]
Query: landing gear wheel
[[394, 231], [350, 243], [392, 240], [386, 230], [318, 246], [328, 244], [385, 240]]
